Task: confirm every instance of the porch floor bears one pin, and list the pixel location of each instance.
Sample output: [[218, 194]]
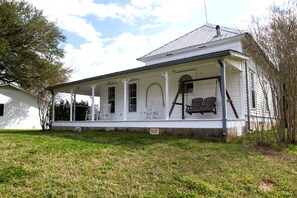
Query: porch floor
[[190, 123]]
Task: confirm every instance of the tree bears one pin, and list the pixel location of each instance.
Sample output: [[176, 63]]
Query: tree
[[275, 50], [30, 51]]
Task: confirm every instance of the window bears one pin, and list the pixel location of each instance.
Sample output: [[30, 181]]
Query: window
[[188, 86], [1, 109], [253, 91], [111, 98], [133, 97]]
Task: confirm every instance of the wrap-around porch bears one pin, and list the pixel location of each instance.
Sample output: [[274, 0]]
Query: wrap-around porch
[[130, 95]]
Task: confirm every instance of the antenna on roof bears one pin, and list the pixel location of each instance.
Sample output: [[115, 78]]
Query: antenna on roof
[[205, 12]]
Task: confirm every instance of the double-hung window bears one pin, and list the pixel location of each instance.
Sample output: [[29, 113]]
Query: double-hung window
[[111, 98], [253, 90], [133, 97]]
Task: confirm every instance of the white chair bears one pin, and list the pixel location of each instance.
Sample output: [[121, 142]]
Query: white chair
[[152, 111], [104, 112], [89, 113]]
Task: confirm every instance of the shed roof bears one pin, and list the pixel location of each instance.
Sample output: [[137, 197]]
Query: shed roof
[[12, 86], [202, 35]]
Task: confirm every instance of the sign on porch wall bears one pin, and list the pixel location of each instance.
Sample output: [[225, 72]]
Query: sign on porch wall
[[154, 131]]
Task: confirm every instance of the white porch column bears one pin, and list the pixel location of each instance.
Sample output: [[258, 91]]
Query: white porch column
[[165, 75], [71, 104], [53, 106], [125, 81], [93, 102], [74, 106]]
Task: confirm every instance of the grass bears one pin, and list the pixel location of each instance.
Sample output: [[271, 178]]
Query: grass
[[122, 164]]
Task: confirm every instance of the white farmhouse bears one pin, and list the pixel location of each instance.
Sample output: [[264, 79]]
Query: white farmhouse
[[201, 83], [18, 108]]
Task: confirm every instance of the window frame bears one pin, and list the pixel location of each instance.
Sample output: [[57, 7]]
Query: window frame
[[253, 90], [266, 89], [111, 100], [132, 98], [187, 88]]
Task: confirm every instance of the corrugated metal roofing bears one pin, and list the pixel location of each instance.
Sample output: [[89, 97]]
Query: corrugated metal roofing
[[202, 35]]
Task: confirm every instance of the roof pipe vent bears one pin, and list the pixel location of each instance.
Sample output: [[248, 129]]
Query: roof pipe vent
[[218, 29]]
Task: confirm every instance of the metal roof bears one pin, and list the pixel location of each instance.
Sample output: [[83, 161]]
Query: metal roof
[[202, 35], [212, 55]]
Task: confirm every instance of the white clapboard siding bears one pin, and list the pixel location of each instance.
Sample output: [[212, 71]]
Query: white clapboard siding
[[20, 109], [260, 109], [235, 81]]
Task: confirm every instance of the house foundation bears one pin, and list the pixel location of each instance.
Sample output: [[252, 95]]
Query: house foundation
[[214, 134]]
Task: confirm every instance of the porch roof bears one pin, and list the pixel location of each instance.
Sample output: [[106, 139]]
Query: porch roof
[[218, 54]]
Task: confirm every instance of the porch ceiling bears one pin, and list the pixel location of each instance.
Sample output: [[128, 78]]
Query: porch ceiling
[[81, 90]]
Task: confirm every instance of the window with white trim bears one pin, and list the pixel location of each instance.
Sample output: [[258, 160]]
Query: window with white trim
[[133, 97], [189, 87], [253, 90], [111, 98]]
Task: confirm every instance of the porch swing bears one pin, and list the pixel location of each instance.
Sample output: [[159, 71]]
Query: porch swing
[[200, 105]]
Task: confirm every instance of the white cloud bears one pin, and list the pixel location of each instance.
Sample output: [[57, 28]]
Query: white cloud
[[253, 8], [91, 59], [97, 57], [168, 11], [80, 27], [151, 26]]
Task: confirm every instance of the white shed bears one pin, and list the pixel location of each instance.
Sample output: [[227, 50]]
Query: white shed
[[18, 108]]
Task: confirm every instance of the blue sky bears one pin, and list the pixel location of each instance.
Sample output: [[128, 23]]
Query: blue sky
[[107, 36]]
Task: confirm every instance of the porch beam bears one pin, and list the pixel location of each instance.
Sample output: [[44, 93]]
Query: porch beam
[[165, 75], [223, 95], [93, 101], [201, 79]]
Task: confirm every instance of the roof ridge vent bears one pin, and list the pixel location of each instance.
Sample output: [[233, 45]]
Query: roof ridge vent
[[218, 29]]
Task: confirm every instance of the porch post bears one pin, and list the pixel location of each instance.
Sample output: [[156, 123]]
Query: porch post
[[223, 94], [165, 75], [71, 104], [53, 106], [93, 101], [125, 81], [74, 106]]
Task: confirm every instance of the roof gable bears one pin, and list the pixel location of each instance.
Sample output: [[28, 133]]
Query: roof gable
[[14, 87], [202, 35]]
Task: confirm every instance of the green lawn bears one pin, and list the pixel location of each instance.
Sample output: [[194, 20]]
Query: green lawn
[[122, 164]]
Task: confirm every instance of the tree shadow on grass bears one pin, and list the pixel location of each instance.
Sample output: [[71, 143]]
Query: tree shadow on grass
[[116, 138]]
